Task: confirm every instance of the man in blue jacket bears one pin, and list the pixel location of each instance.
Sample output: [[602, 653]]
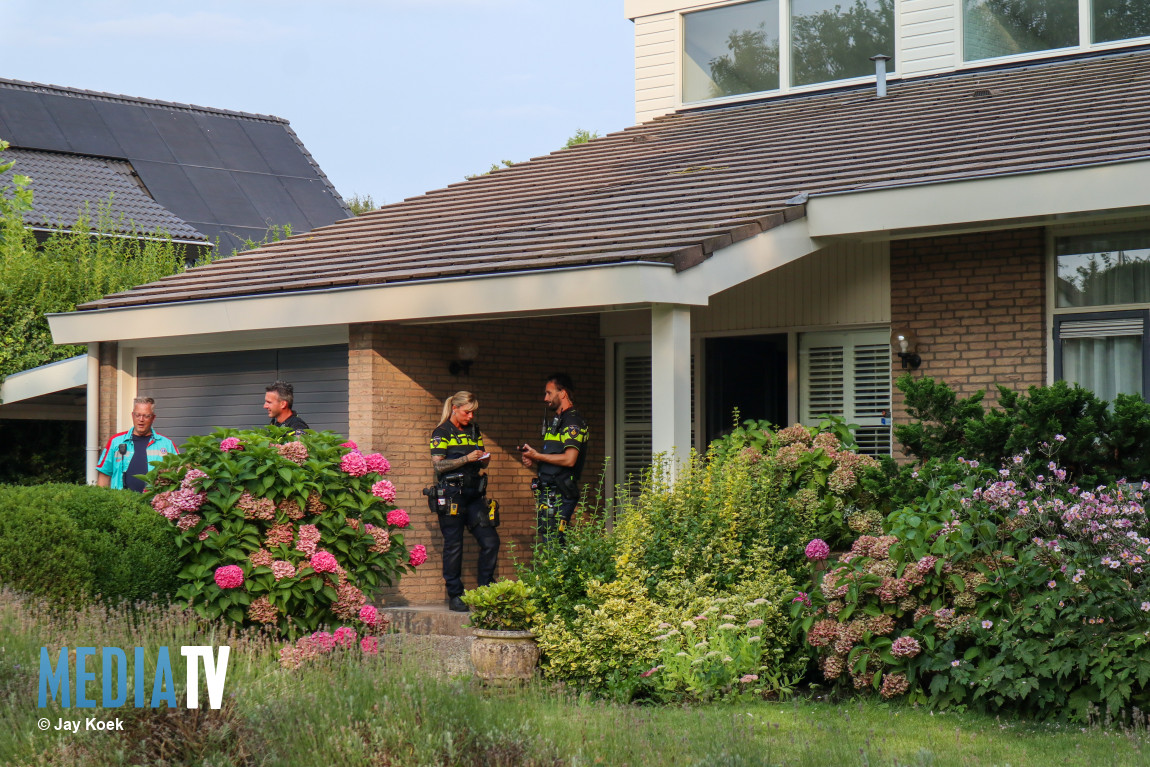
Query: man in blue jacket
[[133, 452]]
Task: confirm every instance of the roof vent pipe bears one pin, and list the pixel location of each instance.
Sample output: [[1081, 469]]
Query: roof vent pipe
[[880, 72]]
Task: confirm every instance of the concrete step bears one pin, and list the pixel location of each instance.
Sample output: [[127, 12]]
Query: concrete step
[[432, 636], [427, 619]]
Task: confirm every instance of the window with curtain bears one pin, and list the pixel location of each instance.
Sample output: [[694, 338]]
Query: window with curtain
[[1103, 350]]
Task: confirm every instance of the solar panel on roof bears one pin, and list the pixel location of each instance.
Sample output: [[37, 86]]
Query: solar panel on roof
[[29, 122], [82, 126], [316, 204], [184, 138], [171, 188], [231, 143], [279, 150], [225, 199], [136, 133], [271, 200]]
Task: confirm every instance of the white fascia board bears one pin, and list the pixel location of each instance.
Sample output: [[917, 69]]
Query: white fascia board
[[46, 379], [554, 291], [1035, 196], [551, 291]]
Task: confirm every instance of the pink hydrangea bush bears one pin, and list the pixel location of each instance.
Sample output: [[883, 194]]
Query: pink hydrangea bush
[[292, 532], [1008, 588]]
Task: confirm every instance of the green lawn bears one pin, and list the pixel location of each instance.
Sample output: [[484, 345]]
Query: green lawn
[[352, 710]]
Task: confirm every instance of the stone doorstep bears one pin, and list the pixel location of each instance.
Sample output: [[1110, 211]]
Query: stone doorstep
[[433, 636], [427, 619]]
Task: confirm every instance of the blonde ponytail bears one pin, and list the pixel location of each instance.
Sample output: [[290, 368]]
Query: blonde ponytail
[[459, 399]]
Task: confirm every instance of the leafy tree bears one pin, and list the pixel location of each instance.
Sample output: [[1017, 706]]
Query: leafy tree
[[360, 204], [582, 136]]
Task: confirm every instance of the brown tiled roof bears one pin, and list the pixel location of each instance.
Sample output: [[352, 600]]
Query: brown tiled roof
[[679, 187]]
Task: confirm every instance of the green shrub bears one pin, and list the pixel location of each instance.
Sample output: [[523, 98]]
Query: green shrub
[[724, 530], [501, 606], [294, 532], [74, 542], [1101, 444]]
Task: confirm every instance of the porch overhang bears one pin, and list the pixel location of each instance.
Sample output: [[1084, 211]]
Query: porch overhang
[[49, 392], [528, 293]]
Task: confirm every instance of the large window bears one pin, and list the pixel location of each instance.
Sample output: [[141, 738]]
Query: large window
[[832, 40], [735, 49], [1105, 351], [994, 28], [731, 50]]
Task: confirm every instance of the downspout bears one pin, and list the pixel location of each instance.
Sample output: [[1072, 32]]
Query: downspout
[[92, 432]]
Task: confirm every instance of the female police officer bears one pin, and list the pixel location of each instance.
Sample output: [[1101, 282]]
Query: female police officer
[[457, 456]]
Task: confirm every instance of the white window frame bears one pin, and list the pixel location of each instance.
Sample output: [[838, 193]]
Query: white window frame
[[849, 341]]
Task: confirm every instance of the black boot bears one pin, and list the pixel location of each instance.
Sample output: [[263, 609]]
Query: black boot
[[456, 605]]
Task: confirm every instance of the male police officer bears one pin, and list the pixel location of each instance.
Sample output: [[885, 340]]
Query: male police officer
[[560, 463], [133, 452], [279, 398]]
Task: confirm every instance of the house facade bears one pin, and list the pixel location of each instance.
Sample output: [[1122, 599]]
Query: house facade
[[752, 243]]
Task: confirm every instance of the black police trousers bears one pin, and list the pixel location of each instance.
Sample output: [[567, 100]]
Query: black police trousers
[[472, 515], [554, 512]]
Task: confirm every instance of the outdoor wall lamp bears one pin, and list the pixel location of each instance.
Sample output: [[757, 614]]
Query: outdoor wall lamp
[[467, 352], [904, 343]]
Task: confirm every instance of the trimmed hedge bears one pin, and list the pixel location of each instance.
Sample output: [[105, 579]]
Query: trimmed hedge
[[73, 542]]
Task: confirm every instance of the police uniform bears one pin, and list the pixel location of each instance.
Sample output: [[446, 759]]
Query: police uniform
[[556, 488], [461, 502]]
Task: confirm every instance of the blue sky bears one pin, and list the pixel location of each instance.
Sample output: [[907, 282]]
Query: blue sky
[[392, 97]]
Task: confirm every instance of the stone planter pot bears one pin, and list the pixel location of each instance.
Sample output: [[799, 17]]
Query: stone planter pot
[[504, 658]]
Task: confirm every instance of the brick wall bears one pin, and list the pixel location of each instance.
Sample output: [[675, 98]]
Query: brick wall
[[399, 378], [977, 304], [109, 390]]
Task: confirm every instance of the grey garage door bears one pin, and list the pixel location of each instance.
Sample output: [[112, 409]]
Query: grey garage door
[[195, 393]]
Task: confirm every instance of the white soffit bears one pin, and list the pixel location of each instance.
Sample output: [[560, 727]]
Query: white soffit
[[553, 291], [46, 379], [1034, 197]]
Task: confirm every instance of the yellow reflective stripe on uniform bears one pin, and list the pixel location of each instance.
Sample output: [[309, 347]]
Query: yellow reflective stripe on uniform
[[463, 440]]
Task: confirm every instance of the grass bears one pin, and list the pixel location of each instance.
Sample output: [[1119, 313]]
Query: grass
[[350, 709]]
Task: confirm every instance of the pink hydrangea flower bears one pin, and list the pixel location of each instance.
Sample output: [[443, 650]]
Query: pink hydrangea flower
[[350, 445], [308, 538], [229, 576], [377, 463], [323, 562], [191, 478], [281, 569], [818, 549], [369, 615], [370, 645], [398, 518], [230, 443], [383, 490], [354, 464], [345, 636], [418, 555], [208, 531]]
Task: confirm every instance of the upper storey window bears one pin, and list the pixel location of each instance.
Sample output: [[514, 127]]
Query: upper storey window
[[994, 28], [739, 49], [731, 51], [831, 40]]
